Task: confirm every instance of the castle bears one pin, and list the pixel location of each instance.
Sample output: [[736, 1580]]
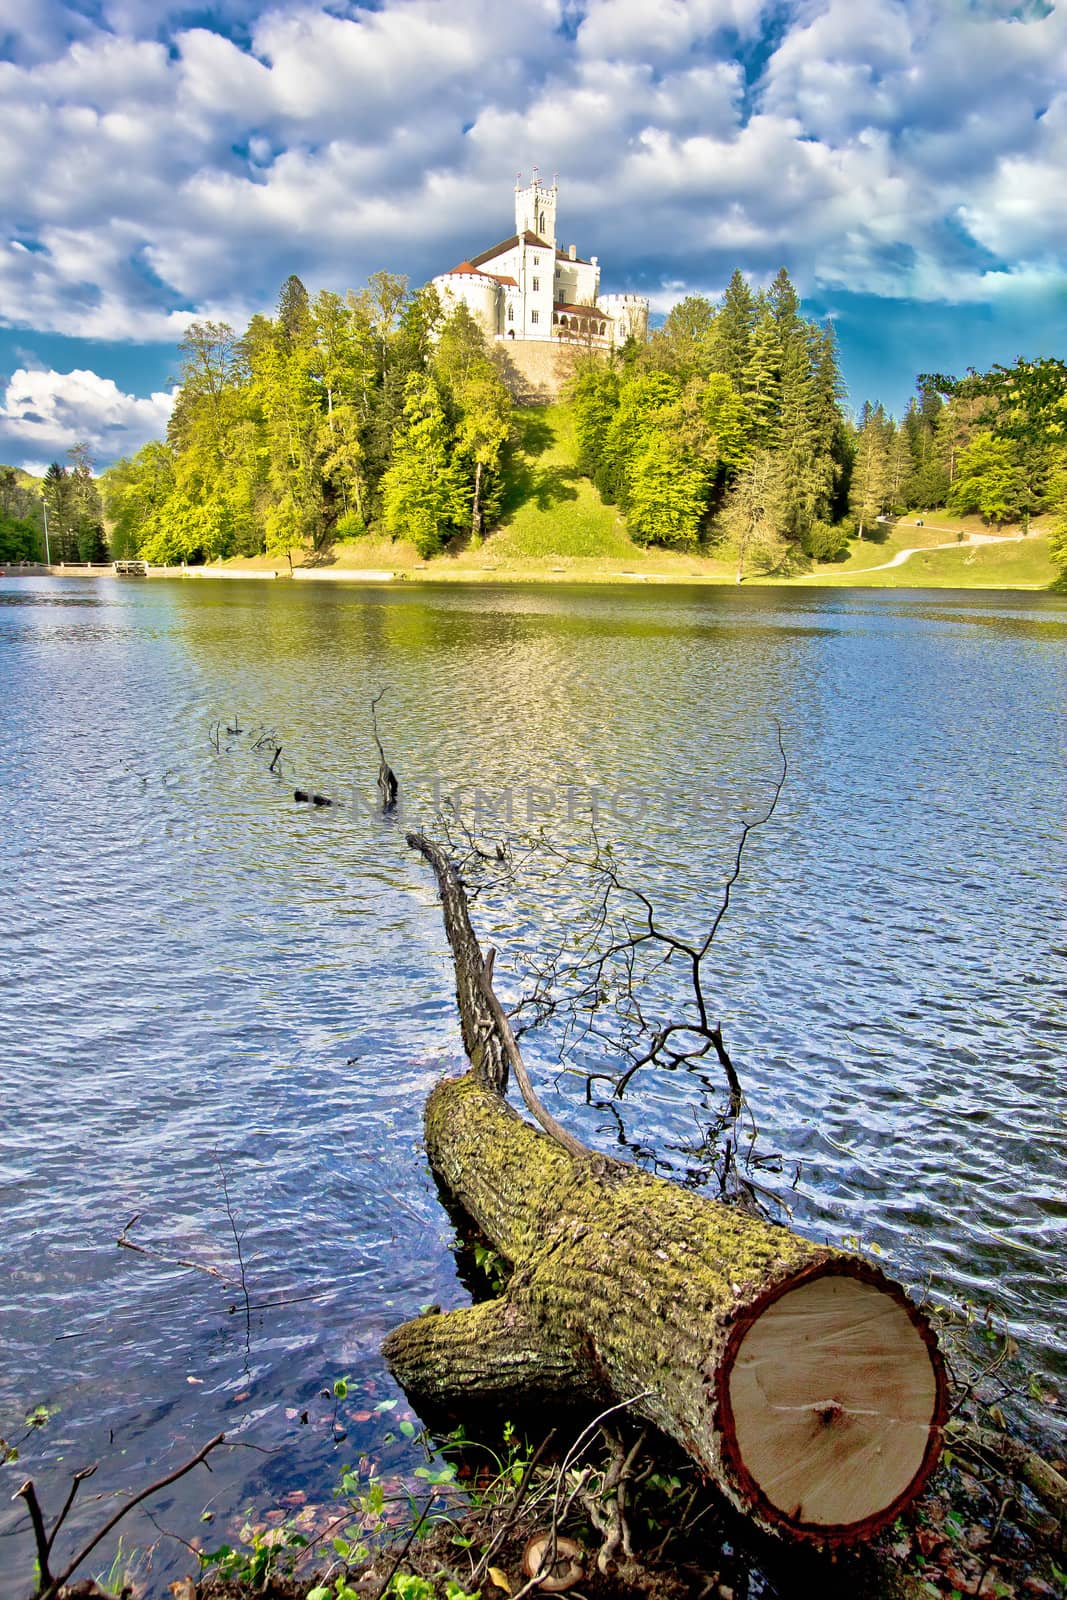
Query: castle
[[527, 289]]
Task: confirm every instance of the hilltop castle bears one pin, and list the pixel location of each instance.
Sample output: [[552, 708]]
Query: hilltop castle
[[527, 289]]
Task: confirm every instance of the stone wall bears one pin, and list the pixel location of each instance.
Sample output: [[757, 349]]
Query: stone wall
[[534, 370]]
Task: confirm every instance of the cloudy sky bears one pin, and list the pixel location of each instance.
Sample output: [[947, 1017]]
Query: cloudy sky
[[905, 159]]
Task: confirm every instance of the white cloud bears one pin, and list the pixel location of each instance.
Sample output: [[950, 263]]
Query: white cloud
[[43, 413], [154, 171], [652, 30]]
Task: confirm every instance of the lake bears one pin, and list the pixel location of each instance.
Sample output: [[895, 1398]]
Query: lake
[[222, 1011]]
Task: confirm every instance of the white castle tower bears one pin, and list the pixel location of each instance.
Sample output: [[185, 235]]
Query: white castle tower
[[535, 208], [528, 289]]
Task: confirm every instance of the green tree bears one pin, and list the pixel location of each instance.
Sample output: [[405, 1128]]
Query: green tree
[[754, 513], [869, 488], [733, 331], [86, 505], [641, 403], [806, 469], [900, 468], [21, 519], [761, 382], [136, 492], [594, 393], [60, 511], [666, 493], [294, 313], [785, 309], [990, 480], [686, 344], [1057, 498], [425, 493]]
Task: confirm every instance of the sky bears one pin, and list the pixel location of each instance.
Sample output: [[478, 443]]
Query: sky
[[161, 162]]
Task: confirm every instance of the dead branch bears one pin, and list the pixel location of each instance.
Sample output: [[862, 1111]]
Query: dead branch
[[49, 1585], [1017, 1458], [126, 1243], [388, 787]]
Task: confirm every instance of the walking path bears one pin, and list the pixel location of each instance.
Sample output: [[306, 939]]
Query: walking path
[[953, 544]]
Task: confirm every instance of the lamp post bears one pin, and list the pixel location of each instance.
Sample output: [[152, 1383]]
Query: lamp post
[[47, 553]]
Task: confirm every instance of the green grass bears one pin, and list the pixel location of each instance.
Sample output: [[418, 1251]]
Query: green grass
[[1020, 563], [551, 510]]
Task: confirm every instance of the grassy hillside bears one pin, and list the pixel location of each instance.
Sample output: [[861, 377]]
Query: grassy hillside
[[550, 509], [1019, 563]]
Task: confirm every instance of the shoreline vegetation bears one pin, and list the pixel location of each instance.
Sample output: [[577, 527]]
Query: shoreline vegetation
[[563, 532]]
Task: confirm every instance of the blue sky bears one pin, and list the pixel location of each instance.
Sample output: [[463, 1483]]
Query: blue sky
[[905, 160]]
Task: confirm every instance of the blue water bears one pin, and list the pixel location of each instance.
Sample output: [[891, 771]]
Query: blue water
[[207, 990]]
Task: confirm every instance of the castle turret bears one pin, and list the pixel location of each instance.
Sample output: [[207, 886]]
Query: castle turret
[[535, 209]]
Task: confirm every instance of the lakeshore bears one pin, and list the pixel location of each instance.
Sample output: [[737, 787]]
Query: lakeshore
[[934, 551]]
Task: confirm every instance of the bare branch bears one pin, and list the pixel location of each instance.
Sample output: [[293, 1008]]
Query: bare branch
[[50, 1586]]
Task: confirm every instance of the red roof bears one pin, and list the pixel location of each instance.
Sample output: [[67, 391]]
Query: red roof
[[509, 244], [579, 261], [466, 269], [587, 311]]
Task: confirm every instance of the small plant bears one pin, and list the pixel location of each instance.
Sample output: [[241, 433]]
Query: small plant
[[489, 1262], [259, 1557]]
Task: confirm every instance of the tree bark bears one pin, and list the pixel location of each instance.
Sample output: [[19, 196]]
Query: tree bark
[[798, 1377]]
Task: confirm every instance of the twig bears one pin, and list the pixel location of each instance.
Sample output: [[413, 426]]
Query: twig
[[240, 1254], [40, 1537], [75, 1484], [388, 787], [516, 1505], [126, 1243], [50, 1586], [573, 1146], [415, 1526]]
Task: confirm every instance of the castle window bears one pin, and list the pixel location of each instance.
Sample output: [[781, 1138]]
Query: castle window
[[536, 285], [534, 317], [511, 313], [537, 261]]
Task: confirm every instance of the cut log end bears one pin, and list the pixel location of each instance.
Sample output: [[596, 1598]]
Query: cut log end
[[832, 1396]]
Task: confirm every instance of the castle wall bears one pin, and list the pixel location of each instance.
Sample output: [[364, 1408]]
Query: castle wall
[[535, 370]]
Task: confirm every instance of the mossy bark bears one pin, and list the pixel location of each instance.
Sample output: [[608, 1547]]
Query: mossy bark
[[623, 1286], [629, 1288]]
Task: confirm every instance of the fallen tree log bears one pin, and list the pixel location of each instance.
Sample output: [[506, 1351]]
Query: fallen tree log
[[798, 1377]]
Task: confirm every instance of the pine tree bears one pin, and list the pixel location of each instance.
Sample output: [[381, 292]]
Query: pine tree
[[761, 382], [733, 331], [785, 309], [87, 510], [294, 312], [59, 507], [870, 470], [900, 468]]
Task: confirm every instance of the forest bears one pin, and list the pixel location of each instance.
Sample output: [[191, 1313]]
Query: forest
[[725, 433]]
